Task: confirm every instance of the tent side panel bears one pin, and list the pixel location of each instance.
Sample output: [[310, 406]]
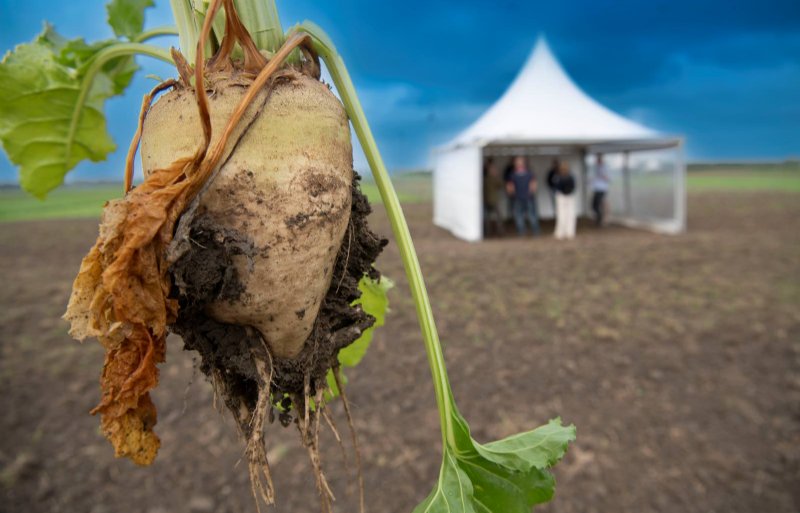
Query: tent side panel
[[680, 189], [648, 189], [457, 204]]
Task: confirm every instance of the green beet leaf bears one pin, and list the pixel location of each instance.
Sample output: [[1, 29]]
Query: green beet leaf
[[453, 492], [375, 301], [540, 448], [126, 17], [507, 476], [38, 96], [77, 54], [47, 126]]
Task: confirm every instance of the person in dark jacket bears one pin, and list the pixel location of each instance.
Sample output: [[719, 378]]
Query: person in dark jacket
[[552, 175], [521, 186], [566, 218]]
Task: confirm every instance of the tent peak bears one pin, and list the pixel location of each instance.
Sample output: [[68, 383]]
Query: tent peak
[[541, 52], [544, 103], [541, 44]]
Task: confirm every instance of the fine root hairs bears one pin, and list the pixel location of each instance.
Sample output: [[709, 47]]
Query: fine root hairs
[[329, 420], [258, 463], [308, 424], [353, 436], [310, 412], [250, 424]]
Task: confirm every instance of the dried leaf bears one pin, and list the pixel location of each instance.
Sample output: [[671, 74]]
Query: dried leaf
[[120, 296]]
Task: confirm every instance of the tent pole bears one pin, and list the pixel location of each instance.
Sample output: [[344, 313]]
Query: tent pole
[[680, 187], [585, 181], [482, 180]]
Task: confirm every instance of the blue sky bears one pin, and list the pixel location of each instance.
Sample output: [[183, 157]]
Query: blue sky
[[726, 74]]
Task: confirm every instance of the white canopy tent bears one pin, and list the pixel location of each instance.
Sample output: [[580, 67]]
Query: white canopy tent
[[543, 115]]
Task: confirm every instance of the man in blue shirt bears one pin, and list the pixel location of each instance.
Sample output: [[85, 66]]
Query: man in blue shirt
[[521, 186]]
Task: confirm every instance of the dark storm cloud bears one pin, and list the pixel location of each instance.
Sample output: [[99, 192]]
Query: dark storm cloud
[[725, 74], [705, 69]]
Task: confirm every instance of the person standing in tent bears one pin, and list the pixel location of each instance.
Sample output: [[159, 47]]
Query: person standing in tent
[[492, 190], [552, 176], [521, 186], [564, 186], [507, 172], [600, 186]]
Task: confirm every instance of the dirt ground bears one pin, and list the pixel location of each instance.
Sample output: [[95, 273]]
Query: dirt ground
[[678, 358]]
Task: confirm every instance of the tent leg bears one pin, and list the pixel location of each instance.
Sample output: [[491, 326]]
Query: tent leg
[[585, 181], [680, 188]]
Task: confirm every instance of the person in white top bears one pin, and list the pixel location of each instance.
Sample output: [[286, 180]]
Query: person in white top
[[600, 186], [564, 186]]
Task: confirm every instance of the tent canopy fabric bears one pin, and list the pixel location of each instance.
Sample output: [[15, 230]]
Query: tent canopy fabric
[[543, 105]]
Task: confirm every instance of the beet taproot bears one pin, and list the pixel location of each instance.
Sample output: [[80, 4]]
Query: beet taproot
[[285, 186]]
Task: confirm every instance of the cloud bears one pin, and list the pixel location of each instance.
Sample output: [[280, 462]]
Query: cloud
[[408, 124], [724, 112]]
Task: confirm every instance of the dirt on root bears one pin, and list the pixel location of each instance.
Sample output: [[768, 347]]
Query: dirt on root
[[229, 352], [677, 358]]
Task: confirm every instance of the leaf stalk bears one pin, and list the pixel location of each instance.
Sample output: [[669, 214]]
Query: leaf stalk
[[324, 47], [261, 19], [155, 32], [188, 31], [101, 59]]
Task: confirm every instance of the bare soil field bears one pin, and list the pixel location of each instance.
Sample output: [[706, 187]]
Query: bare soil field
[[678, 359]]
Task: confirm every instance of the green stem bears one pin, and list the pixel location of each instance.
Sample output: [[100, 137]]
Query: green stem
[[259, 16], [217, 26], [101, 59], [188, 32], [344, 85], [261, 19], [156, 32]]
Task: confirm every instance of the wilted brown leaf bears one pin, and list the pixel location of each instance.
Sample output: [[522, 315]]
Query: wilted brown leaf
[[120, 296]]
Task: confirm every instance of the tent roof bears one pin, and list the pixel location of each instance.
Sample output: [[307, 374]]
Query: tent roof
[[544, 105]]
